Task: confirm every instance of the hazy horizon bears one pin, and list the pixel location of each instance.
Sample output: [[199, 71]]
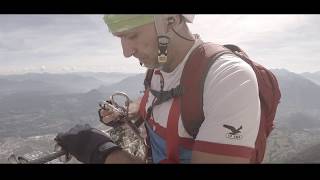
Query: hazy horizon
[[82, 43], [75, 72]]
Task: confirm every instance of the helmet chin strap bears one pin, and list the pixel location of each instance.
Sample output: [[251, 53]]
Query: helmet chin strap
[[161, 23], [163, 39], [163, 42]]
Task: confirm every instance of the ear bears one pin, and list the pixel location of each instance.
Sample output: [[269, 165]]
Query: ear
[[173, 21]]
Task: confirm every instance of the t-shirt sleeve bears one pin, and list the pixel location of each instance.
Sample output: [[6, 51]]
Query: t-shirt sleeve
[[231, 108]]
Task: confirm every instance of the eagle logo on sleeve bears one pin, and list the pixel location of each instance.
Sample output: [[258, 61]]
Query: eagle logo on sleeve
[[235, 132]]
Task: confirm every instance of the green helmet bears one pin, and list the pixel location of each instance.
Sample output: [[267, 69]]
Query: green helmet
[[119, 23], [124, 22]]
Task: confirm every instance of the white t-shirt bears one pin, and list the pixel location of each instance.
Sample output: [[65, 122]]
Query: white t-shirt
[[231, 107]]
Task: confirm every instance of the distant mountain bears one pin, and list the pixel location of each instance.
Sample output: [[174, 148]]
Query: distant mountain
[[79, 82], [29, 113], [300, 101], [132, 86], [35, 110], [29, 147], [301, 121], [36, 146], [107, 78], [309, 155], [286, 145], [68, 83], [297, 91], [9, 86], [314, 77], [297, 125], [34, 104]]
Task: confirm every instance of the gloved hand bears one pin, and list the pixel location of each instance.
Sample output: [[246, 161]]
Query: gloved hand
[[87, 144]]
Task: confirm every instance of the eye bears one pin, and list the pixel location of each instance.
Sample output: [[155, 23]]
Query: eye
[[132, 36]]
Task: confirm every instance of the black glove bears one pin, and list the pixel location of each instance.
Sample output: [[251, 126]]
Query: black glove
[[87, 144]]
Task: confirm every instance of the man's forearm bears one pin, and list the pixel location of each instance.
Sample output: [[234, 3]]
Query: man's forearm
[[122, 157]]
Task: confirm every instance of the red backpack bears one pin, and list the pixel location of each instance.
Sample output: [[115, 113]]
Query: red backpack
[[192, 84]]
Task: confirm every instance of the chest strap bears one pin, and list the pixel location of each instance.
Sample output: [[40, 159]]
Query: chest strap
[[163, 96]]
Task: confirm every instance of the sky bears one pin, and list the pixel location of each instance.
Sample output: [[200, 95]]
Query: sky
[[71, 43]]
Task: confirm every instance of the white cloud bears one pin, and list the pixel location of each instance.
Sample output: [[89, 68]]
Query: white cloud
[[230, 28], [83, 43], [276, 41], [43, 68]]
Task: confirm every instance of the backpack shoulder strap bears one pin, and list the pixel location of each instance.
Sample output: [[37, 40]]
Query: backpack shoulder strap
[[192, 82]]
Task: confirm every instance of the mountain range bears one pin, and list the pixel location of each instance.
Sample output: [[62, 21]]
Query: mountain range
[[36, 105]]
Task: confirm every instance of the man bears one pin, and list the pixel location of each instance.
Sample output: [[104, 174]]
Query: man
[[230, 99]]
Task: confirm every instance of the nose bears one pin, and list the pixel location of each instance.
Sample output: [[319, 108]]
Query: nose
[[127, 47]]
